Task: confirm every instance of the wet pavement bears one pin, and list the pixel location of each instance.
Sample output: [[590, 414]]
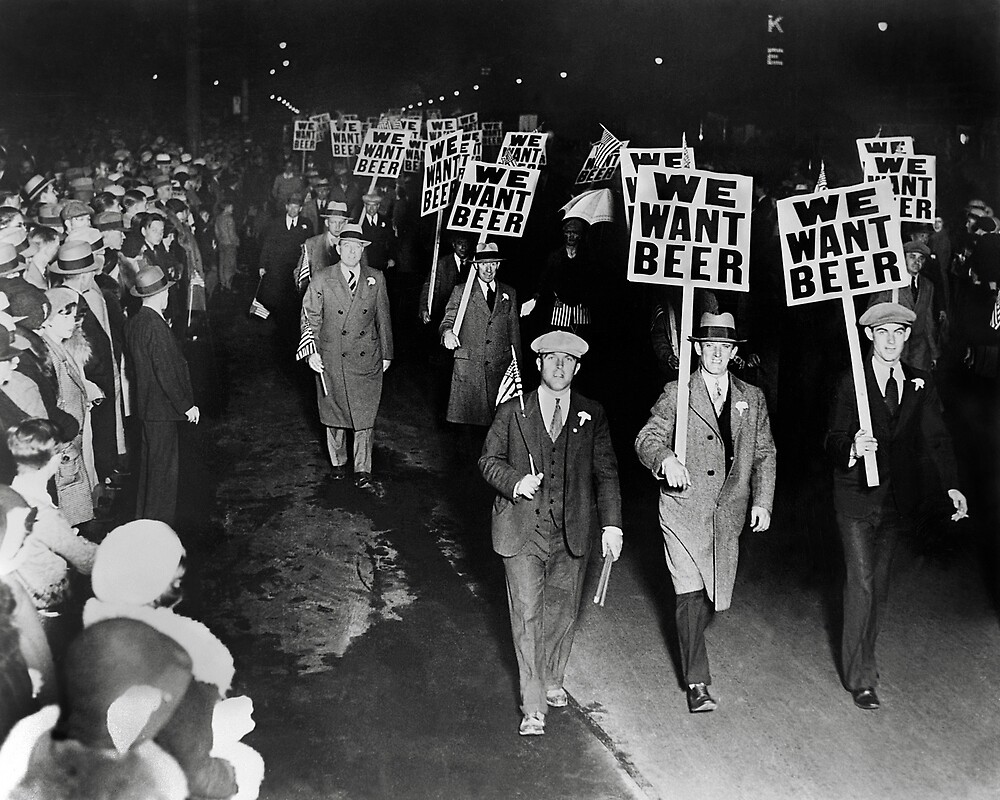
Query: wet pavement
[[373, 634]]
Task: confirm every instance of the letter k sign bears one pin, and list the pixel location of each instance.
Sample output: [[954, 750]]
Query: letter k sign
[[774, 24]]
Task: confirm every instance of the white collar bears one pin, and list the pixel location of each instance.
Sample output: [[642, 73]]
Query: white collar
[[881, 371]]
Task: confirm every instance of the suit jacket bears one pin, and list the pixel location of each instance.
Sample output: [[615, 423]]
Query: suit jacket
[[353, 334], [445, 279], [162, 384], [316, 253], [383, 241], [709, 515], [591, 497], [914, 452], [279, 253], [485, 354]]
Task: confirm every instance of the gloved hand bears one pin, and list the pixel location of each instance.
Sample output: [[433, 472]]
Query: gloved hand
[[611, 542]]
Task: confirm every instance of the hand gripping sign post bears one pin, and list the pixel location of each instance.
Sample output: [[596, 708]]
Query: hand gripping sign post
[[842, 243], [631, 158], [444, 160], [492, 199], [690, 228], [382, 154]]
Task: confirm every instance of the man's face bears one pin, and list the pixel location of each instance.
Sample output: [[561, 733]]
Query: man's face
[[48, 195], [153, 232], [371, 208], [715, 356], [350, 251], [292, 209], [571, 234], [17, 221], [557, 370], [47, 253], [460, 246], [487, 270], [915, 263], [888, 340], [334, 225], [323, 192]]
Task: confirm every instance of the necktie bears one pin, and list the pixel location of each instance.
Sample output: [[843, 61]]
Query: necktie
[[555, 427], [352, 281], [718, 400], [491, 298], [892, 393], [291, 223], [914, 288]]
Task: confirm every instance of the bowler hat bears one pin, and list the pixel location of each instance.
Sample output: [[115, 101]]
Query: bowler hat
[[716, 328], [487, 251], [150, 281], [352, 232], [886, 314], [560, 342], [74, 258]]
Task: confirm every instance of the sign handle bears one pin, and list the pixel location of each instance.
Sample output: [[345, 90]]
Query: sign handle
[[303, 163], [860, 385], [684, 373], [434, 260], [464, 304], [371, 186]]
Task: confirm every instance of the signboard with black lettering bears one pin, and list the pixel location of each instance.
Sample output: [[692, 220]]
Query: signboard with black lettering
[[631, 158], [885, 145], [494, 199], [841, 242], [322, 123], [600, 168], [493, 133], [914, 182], [414, 155], [691, 228], [345, 138], [523, 149], [441, 127], [472, 144], [382, 153], [304, 135], [469, 122], [444, 161]]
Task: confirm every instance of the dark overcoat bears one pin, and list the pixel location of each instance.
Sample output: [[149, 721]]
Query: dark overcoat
[[591, 497], [353, 334], [710, 514]]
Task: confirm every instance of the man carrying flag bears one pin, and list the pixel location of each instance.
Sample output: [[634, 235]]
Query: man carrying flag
[[556, 476]]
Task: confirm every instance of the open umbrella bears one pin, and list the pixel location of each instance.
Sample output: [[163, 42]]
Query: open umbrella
[[596, 205]]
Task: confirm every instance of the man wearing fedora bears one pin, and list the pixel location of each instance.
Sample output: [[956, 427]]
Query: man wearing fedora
[[915, 459], [346, 335], [729, 470], [162, 396], [321, 250], [482, 348], [556, 477], [376, 229], [280, 245]]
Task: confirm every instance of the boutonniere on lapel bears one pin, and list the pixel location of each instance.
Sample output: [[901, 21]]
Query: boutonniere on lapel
[[582, 418], [371, 281], [918, 384], [742, 406], [505, 297]]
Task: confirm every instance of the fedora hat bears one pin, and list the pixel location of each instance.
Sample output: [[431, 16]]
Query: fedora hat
[[74, 258], [352, 232], [716, 328], [150, 281], [10, 259], [34, 187], [487, 251], [335, 209], [91, 236]]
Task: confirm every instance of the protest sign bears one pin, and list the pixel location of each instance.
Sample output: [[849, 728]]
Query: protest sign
[[527, 123], [837, 244], [441, 127], [411, 124], [914, 182], [472, 144], [414, 155], [494, 199], [493, 133], [444, 161], [523, 149], [322, 124], [352, 117], [382, 153], [304, 135], [389, 122], [885, 145], [345, 138], [469, 122], [631, 158], [599, 167]]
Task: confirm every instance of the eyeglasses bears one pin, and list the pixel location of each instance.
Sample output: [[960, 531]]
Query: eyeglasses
[[556, 358]]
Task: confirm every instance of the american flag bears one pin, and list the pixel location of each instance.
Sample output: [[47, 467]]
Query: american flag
[[307, 342], [507, 160], [607, 147], [510, 384], [303, 272], [821, 185], [257, 309], [995, 316]]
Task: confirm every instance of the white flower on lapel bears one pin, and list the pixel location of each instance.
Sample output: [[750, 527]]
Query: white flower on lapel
[[583, 417], [742, 406], [505, 296], [371, 281], [918, 384]]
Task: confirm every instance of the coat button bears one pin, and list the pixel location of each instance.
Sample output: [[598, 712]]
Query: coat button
[[710, 437], [340, 312], [363, 352], [343, 333], [710, 472]]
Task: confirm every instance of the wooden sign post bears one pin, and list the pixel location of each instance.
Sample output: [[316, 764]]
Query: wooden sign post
[[841, 243]]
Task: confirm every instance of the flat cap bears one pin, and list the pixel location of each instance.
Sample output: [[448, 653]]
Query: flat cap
[[886, 314], [76, 208], [917, 247], [560, 342]]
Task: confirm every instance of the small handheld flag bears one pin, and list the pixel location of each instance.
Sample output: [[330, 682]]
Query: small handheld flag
[[510, 384]]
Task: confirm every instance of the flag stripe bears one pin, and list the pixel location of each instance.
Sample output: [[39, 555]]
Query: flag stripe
[[606, 147], [510, 385]]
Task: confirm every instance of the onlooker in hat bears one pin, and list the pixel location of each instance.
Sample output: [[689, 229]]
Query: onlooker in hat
[[133, 204], [281, 245], [908, 435], [346, 190], [46, 243], [321, 250], [228, 242], [316, 202], [346, 334], [287, 184], [553, 467], [53, 546], [162, 395], [728, 470], [483, 346], [39, 189], [50, 216], [923, 347], [82, 189], [163, 188], [376, 229], [76, 215], [452, 270]]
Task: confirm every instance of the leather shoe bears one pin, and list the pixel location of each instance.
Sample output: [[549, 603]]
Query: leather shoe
[[866, 699], [338, 473], [367, 483], [533, 724], [699, 699], [557, 698]]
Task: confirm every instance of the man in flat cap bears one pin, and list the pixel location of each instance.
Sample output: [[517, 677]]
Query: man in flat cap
[[915, 457], [553, 467], [729, 469], [346, 336]]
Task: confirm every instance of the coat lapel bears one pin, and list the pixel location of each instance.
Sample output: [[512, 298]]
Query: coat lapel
[[876, 403], [700, 403], [907, 400], [737, 401]]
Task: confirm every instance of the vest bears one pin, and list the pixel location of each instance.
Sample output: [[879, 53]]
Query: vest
[[726, 429], [554, 467]]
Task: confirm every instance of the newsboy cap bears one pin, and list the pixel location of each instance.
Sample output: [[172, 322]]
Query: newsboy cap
[[886, 314], [560, 342]]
